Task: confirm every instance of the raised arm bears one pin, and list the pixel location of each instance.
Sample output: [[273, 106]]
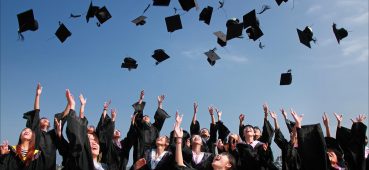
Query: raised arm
[[160, 114], [326, 124], [195, 125], [178, 134], [339, 119], [83, 104], [69, 104], [241, 127], [211, 112], [194, 118], [266, 111], [274, 117], [37, 97], [298, 118]]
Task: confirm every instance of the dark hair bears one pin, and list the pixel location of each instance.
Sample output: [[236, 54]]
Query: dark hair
[[231, 159], [48, 126], [31, 148]]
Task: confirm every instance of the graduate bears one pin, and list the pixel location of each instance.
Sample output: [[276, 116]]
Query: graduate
[[46, 139], [147, 133], [208, 138], [222, 161], [352, 141]]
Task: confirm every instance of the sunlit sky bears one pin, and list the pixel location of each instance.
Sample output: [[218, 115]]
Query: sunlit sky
[[329, 77]]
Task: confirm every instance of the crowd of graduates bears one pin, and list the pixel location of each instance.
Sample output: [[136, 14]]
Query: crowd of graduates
[[102, 148]]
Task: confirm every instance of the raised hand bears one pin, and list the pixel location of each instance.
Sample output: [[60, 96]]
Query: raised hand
[[211, 110], [70, 99], [219, 113], [219, 144], [4, 148], [160, 101], [195, 105], [325, 120], [265, 146], [140, 163], [142, 95], [273, 115], [38, 89], [266, 110], [359, 118], [83, 104], [107, 104], [339, 119], [58, 125], [242, 118], [284, 113], [82, 99], [113, 114], [178, 118], [298, 118]]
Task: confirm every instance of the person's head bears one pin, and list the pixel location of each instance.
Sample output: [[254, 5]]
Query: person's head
[[94, 144], [332, 156], [146, 119], [90, 129], [44, 123], [26, 136], [162, 141], [116, 134], [293, 136], [257, 132], [248, 131], [204, 133], [224, 161], [196, 140], [233, 139]]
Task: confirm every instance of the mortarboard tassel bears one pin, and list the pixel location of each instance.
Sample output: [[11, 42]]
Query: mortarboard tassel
[[264, 8], [147, 8]]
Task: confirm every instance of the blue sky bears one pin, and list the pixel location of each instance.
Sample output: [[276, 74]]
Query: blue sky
[[329, 77]]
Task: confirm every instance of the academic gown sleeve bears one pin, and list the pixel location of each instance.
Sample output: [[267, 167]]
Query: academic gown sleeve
[[223, 131], [33, 122], [240, 131], [312, 147], [353, 144], [268, 133], [195, 128], [212, 139], [79, 157]]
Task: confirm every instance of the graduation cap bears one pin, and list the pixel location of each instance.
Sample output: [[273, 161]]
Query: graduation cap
[[212, 56], [160, 55], [205, 14], [306, 36], [254, 32], [234, 28], [173, 23], [187, 4], [339, 33], [129, 63], [161, 2], [26, 21], [102, 15], [279, 2], [250, 19], [222, 38], [139, 20], [62, 33], [161, 114], [91, 11], [286, 78]]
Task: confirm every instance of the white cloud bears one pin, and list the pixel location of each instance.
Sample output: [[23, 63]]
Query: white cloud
[[192, 54], [235, 58], [314, 9]]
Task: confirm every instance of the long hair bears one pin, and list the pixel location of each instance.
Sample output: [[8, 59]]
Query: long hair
[[31, 148]]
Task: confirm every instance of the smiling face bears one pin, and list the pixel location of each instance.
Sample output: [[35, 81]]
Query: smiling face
[[257, 133], [26, 134], [248, 131], [162, 141], [222, 161], [94, 144], [332, 156]]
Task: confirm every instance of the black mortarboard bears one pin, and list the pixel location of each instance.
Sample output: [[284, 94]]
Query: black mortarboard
[[222, 38], [250, 19], [160, 55], [212, 56], [26, 21], [280, 1], [62, 33], [139, 20], [161, 114], [139, 107], [286, 78], [91, 11], [129, 63], [161, 2], [254, 32], [234, 29], [205, 14], [102, 15], [187, 4], [339, 33], [173, 23], [306, 36]]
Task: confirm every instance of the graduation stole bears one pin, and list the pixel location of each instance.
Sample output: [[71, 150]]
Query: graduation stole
[[36, 153]]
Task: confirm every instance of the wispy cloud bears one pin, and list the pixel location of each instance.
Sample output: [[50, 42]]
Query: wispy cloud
[[361, 18], [235, 58], [192, 54], [314, 9]]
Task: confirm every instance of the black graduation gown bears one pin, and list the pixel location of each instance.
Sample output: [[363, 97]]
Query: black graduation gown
[[79, 150], [205, 163], [11, 161], [115, 157], [312, 147], [290, 157], [252, 158], [146, 134], [207, 145], [47, 141], [166, 163], [353, 145]]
